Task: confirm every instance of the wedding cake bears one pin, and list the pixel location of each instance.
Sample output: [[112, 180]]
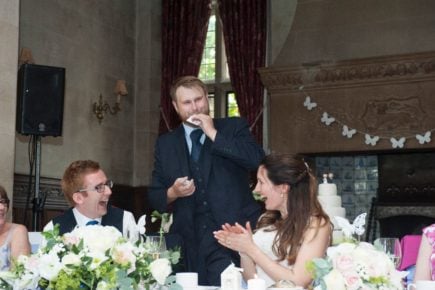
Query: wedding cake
[[331, 203]]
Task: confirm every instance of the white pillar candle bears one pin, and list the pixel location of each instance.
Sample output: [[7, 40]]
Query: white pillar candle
[[256, 284]]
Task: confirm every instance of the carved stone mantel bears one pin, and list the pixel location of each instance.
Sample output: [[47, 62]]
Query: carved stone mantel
[[391, 211], [388, 97]]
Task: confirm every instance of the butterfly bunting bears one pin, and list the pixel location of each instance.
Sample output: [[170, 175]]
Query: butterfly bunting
[[326, 119], [423, 138], [348, 133], [308, 104], [371, 140], [397, 143]]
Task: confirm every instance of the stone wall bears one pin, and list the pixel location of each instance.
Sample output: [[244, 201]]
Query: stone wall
[[98, 44], [9, 23]]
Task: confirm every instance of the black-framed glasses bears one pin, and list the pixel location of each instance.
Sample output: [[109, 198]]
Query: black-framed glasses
[[4, 201], [100, 187]]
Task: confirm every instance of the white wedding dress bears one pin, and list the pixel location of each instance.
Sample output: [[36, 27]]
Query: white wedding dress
[[264, 239]]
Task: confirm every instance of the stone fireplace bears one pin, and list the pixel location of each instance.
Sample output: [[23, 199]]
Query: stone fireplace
[[371, 120]]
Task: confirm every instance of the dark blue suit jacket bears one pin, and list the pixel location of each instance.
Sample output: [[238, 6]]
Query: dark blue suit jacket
[[228, 163]]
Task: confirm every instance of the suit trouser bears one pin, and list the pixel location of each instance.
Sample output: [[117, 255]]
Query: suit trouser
[[213, 259]]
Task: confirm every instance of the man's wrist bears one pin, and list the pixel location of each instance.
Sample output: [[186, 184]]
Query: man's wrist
[[213, 135], [170, 194]]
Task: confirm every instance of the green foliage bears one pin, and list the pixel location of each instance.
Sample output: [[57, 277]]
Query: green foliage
[[318, 267], [257, 196]]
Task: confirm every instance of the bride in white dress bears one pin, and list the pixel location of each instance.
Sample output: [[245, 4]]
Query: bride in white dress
[[293, 230]]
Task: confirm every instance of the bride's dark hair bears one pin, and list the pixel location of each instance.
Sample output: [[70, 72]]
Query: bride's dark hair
[[303, 208]]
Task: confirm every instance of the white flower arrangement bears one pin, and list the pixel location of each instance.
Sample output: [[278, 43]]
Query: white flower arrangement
[[92, 257], [355, 266]]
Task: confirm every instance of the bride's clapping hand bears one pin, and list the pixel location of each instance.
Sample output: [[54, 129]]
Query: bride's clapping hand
[[235, 237], [232, 229]]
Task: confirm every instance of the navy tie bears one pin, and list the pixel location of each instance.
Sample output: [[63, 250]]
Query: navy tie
[[195, 136], [92, 222]]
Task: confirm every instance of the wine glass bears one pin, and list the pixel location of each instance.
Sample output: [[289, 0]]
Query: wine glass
[[392, 247], [156, 245]]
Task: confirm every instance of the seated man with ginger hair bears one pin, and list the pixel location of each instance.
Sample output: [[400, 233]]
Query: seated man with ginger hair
[[88, 190]]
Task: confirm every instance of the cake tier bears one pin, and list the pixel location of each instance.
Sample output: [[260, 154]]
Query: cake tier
[[335, 211], [327, 189], [330, 200]]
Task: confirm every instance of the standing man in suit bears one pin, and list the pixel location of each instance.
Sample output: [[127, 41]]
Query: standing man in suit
[[202, 170], [88, 190]]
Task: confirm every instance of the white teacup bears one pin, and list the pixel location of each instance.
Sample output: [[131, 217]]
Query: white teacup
[[187, 280], [422, 285]]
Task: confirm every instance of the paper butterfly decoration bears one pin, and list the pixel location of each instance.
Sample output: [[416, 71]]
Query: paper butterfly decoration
[[357, 227], [423, 138], [308, 104], [348, 133], [326, 119], [141, 225], [397, 143], [371, 140]]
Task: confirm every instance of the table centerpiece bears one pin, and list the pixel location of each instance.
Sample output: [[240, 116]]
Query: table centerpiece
[[355, 265], [91, 257]]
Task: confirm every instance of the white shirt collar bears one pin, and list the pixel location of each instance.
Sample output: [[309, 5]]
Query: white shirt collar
[[82, 219], [188, 130]]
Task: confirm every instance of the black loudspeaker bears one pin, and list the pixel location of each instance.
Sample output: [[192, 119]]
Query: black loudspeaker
[[40, 100]]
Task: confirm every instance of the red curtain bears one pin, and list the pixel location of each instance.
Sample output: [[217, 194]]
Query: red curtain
[[184, 29], [244, 28]]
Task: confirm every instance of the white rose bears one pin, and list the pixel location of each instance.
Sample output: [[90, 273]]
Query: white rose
[[341, 249], [100, 239], [97, 238], [160, 269], [334, 281], [31, 263], [49, 266], [71, 259], [123, 254]]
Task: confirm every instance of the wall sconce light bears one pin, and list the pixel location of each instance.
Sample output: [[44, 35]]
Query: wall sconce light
[[25, 56], [102, 107]]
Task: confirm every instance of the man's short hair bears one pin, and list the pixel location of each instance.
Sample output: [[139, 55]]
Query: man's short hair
[[187, 82], [72, 180]]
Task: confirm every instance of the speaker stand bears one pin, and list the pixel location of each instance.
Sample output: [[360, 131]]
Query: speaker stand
[[37, 200]]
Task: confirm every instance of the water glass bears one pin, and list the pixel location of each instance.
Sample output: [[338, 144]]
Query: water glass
[[156, 245], [392, 247]]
